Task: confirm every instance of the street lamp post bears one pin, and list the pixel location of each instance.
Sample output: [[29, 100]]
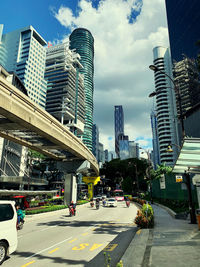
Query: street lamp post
[[148, 174]]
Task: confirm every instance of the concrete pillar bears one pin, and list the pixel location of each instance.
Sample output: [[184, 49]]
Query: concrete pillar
[[70, 188]]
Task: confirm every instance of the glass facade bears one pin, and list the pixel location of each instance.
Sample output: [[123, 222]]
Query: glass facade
[[23, 52], [95, 141], [82, 41], [119, 127], [183, 25]]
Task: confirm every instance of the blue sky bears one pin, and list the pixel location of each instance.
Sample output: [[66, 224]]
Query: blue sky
[[125, 32], [38, 13]]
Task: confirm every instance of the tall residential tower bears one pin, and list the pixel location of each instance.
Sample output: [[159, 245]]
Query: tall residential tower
[[166, 106]]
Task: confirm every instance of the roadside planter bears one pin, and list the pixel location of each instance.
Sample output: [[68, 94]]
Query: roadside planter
[[145, 217]]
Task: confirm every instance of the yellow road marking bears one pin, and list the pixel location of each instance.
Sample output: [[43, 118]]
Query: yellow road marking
[[27, 263], [138, 232], [95, 246], [110, 247], [81, 246], [84, 234], [52, 251], [72, 240]]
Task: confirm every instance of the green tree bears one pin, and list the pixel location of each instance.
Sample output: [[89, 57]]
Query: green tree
[[127, 173], [162, 169]]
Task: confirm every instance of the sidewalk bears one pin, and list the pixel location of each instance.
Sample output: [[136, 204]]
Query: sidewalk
[[171, 243]]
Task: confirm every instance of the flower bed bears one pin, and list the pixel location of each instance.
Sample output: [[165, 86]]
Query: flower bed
[[145, 217]]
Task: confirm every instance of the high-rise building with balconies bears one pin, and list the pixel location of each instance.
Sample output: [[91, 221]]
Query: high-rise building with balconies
[[166, 106], [65, 87]]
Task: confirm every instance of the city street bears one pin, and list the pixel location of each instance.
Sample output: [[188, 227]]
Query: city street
[[54, 238]]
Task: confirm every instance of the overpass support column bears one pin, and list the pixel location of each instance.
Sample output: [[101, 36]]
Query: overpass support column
[[70, 169], [70, 188]]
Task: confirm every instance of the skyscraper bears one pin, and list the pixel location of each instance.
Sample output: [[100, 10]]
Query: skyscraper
[[119, 127], [133, 149], [23, 52], [65, 87], [186, 77], [82, 41], [95, 141], [183, 25], [123, 147], [166, 106], [155, 141]]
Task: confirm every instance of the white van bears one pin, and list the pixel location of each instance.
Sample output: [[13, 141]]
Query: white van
[[8, 229]]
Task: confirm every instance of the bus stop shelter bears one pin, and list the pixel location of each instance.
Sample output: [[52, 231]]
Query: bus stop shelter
[[188, 163]]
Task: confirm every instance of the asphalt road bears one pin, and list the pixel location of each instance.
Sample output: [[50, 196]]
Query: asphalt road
[[54, 239]]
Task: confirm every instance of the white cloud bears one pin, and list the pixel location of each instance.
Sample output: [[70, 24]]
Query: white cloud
[[123, 52]]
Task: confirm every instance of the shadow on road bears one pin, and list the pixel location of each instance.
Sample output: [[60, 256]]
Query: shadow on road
[[102, 227], [114, 250], [56, 260]]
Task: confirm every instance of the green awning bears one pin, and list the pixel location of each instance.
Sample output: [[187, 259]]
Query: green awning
[[189, 157]]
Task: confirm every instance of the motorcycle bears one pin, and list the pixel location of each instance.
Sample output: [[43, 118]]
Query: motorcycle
[[97, 206], [72, 211], [127, 203], [20, 224], [104, 202], [92, 204]]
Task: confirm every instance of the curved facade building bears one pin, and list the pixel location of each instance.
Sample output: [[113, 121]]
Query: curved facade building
[[166, 106], [82, 41]]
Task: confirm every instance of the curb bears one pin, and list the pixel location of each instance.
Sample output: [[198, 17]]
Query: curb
[[134, 255]]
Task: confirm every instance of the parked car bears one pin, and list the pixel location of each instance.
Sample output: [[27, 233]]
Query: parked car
[[8, 229], [111, 202]]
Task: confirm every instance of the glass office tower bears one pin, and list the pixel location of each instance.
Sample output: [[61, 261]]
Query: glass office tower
[[23, 52], [82, 42], [119, 127], [183, 24]]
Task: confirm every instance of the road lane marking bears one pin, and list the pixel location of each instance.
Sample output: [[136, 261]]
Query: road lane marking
[[84, 234], [110, 247], [72, 240], [28, 263], [81, 246], [47, 228], [52, 251], [138, 232], [48, 248], [95, 246]]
